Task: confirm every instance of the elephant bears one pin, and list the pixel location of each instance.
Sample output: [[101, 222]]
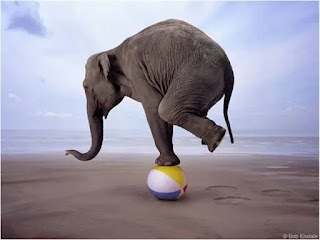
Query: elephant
[[175, 71]]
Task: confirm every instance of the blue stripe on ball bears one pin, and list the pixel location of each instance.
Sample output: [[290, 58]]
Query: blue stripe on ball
[[165, 196]]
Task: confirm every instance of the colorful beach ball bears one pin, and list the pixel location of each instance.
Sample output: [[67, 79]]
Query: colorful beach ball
[[167, 182]]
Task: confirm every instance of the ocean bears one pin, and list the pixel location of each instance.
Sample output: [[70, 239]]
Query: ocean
[[141, 142]]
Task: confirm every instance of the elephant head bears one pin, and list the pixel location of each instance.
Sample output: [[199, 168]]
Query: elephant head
[[102, 93]]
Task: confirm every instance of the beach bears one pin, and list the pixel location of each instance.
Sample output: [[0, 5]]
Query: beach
[[228, 196]]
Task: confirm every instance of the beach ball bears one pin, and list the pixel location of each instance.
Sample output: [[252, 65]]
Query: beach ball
[[167, 182]]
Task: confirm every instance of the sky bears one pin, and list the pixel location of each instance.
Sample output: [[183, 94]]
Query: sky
[[273, 48]]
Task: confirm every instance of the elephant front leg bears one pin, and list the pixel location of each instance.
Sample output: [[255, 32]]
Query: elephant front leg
[[162, 134]]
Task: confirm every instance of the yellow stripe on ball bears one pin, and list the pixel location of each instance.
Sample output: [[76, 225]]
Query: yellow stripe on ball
[[174, 172]]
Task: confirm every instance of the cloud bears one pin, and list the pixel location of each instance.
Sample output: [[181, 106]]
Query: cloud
[[288, 110], [25, 17], [53, 115], [28, 23], [295, 109], [14, 97]]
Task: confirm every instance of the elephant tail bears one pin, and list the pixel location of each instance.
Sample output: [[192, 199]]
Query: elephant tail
[[229, 81]]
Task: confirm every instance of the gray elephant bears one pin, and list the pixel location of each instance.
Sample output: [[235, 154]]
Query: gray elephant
[[175, 71]]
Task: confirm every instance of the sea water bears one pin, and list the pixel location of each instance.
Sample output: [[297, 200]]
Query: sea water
[[140, 141]]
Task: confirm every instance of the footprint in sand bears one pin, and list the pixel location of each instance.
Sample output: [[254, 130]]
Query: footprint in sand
[[275, 193], [221, 187], [231, 200], [223, 194]]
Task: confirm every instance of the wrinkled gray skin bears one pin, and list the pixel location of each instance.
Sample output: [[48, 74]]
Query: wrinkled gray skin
[[175, 71]]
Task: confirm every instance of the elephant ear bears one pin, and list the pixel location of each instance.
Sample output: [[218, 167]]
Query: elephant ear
[[104, 64]]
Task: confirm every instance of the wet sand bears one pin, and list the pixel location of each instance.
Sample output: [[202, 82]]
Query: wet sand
[[242, 196]]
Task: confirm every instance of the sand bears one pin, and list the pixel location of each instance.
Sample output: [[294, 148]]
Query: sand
[[246, 196]]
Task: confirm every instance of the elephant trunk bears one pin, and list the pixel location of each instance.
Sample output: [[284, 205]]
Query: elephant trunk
[[96, 128]]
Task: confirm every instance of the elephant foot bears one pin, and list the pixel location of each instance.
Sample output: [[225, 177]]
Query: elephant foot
[[214, 137], [167, 160]]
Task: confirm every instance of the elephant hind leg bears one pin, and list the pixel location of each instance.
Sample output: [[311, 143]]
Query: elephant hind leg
[[186, 105], [204, 128]]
